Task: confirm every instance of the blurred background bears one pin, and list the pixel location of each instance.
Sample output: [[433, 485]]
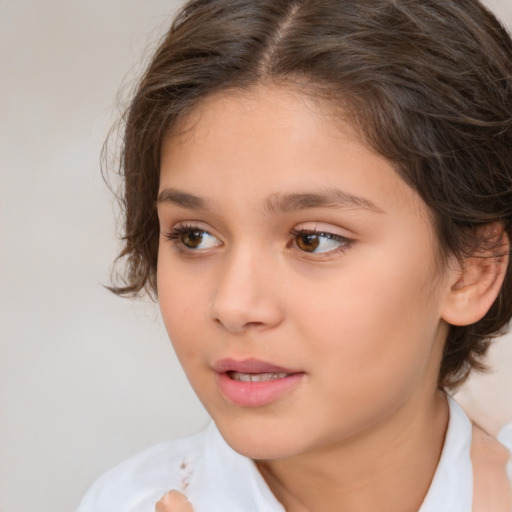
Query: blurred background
[[86, 378]]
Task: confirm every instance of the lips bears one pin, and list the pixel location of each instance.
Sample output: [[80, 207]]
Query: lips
[[255, 383]]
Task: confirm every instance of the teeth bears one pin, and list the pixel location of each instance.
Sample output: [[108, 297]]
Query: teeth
[[256, 377]]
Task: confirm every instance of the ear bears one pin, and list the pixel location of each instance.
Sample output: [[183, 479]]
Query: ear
[[477, 280]]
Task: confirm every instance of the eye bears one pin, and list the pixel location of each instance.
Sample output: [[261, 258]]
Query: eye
[[320, 241], [193, 237]]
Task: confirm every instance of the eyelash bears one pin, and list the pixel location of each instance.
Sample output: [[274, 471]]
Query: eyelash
[[177, 232], [345, 243]]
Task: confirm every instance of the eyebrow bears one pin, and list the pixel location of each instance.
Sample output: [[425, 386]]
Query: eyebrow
[[279, 203], [328, 198], [183, 199]]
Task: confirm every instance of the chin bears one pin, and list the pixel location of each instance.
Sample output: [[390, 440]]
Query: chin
[[261, 449], [259, 439]]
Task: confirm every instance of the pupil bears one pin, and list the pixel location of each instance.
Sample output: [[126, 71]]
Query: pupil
[[308, 242], [192, 238]]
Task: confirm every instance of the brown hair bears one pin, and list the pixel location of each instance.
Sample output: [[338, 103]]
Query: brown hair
[[427, 82]]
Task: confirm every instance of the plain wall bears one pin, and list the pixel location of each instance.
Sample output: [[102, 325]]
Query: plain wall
[[86, 378]]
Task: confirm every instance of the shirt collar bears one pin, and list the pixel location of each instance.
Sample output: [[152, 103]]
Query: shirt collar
[[225, 480], [451, 489]]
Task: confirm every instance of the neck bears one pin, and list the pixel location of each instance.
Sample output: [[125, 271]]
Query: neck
[[389, 468]]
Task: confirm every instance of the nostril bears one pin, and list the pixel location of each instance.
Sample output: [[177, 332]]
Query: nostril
[[239, 320], [243, 302]]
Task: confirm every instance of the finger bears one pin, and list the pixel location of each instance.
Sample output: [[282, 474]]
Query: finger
[[174, 501]]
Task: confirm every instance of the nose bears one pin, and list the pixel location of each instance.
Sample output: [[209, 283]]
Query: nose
[[247, 293]]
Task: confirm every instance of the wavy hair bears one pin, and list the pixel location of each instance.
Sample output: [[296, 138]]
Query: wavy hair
[[428, 84]]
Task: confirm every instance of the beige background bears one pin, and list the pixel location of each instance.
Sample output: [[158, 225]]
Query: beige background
[[86, 379]]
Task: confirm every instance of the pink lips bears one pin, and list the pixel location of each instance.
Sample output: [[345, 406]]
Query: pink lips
[[254, 383]]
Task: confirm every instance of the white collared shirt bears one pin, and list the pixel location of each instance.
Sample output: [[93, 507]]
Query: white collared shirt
[[451, 489], [217, 479]]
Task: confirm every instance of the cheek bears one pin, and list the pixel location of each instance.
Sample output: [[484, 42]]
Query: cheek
[[181, 301], [373, 326]]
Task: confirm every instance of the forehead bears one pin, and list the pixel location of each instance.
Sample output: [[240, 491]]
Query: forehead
[[277, 137], [275, 106]]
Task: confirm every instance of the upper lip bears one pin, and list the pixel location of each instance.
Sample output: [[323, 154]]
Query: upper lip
[[249, 366]]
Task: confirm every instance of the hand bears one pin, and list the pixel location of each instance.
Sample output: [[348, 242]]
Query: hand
[[174, 501]]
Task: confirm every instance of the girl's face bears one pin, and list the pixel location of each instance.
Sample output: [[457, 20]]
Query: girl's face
[[297, 276]]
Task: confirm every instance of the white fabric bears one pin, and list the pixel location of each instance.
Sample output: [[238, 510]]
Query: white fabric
[[217, 479], [451, 489]]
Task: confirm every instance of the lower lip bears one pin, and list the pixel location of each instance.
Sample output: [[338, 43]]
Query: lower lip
[[256, 394]]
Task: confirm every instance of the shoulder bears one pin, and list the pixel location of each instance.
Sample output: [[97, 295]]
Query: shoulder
[[505, 438], [491, 487], [138, 483]]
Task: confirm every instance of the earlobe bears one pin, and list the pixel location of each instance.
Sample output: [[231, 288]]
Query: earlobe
[[476, 284]]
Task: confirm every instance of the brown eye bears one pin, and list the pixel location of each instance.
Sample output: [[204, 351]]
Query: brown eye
[[308, 242], [320, 242], [192, 238]]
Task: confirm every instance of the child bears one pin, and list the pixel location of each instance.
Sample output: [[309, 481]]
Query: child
[[319, 193]]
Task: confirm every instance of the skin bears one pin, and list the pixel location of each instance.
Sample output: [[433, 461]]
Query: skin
[[364, 319], [174, 501]]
